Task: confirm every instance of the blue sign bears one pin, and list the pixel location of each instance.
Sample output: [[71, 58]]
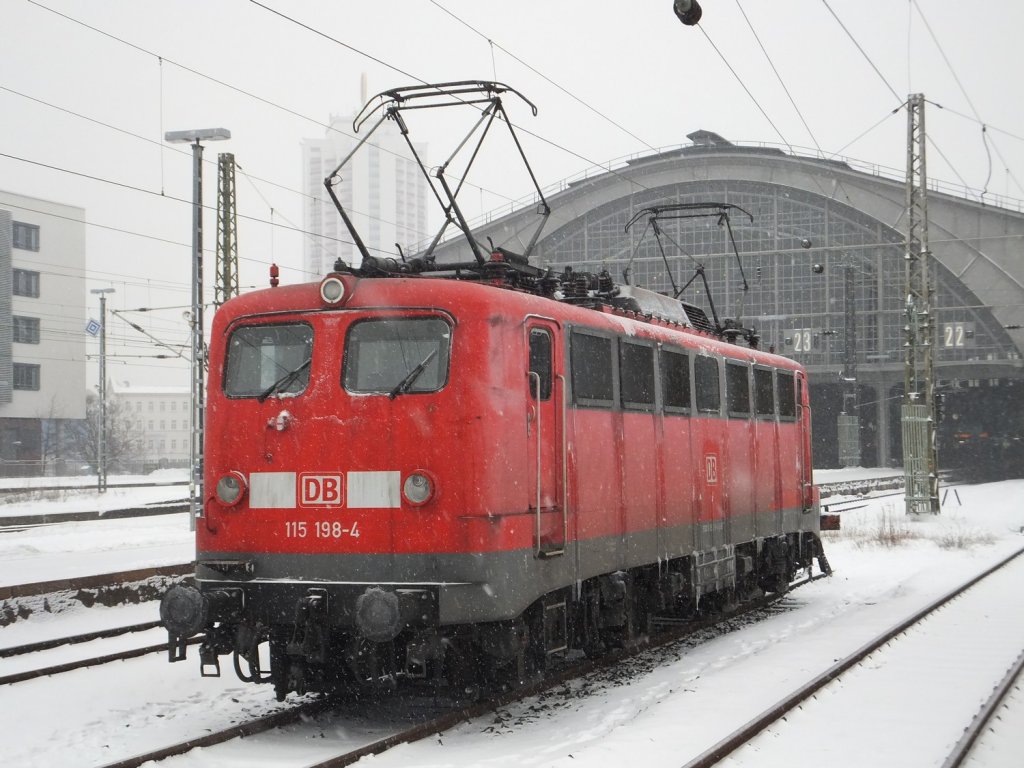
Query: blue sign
[[92, 327]]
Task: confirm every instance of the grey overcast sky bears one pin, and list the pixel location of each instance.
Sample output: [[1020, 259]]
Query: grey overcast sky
[[87, 90]]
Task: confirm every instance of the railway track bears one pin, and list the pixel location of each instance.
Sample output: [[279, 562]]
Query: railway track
[[861, 487], [1006, 695], [28, 649], [99, 581], [443, 717], [85, 637], [782, 726], [13, 523]]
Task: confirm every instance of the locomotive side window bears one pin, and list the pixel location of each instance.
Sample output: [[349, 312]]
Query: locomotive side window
[[737, 389], [396, 355], [636, 375], [787, 395], [764, 393], [592, 382], [705, 379], [268, 359], [675, 381], [540, 363]]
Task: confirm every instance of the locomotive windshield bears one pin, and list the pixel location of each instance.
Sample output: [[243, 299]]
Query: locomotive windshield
[[397, 355], [268, 359]]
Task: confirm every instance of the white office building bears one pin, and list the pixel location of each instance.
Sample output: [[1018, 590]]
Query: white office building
[[157, 420], [382, 189], [42, 330]]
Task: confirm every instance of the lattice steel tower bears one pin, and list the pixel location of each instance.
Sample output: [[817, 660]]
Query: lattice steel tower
[[227, 230], [920, 463]]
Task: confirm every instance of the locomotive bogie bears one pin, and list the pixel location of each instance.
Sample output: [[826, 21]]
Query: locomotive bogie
[[411, 478]]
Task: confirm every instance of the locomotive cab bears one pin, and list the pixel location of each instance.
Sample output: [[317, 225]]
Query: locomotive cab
[[365, 479]]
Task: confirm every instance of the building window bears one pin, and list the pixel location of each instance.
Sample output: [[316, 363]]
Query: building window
[[149, 425], [25, 236], [163, 425], [174, 445], [163, 406], [26, 330], [174, 405], [174, 425], [26, 283], [26, 376], [149, 406]]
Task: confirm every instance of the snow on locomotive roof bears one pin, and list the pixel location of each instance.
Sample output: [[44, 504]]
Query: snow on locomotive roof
[[657, 304]]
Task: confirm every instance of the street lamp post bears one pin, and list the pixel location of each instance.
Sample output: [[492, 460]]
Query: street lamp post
[[101, 448], [195, 137]]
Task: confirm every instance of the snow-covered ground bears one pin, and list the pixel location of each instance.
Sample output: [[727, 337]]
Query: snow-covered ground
[[67, 550], [667, 710], [822, 476], [84, 496]]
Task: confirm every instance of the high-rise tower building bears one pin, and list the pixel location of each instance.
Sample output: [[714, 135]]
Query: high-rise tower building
[[382, 189]]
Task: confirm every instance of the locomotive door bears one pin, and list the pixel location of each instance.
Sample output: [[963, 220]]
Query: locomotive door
[[804, 449], [545, 432]]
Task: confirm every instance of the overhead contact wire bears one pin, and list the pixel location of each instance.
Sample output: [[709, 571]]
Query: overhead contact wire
[[744, 86], [524, 130], [540, 74]]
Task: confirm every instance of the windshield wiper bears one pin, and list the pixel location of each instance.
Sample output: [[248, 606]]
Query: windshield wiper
[[284, 381], [403, 386]]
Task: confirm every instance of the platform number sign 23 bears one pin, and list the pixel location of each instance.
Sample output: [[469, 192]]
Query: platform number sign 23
[[803, 338]]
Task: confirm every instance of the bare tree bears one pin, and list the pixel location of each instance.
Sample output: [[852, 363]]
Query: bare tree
[[53, 432], [123, 442]]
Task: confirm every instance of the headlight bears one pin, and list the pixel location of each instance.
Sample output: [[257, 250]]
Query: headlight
[[418, 488], [332, 290], [230, 489]]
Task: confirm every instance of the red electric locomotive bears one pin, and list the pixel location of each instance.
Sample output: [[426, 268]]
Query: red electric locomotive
[[420, 471]]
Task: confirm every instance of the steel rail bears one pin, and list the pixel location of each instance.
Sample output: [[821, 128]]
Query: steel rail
[[174, 507], [94, 582], [96, 661], [92, 487], [85, 637], [963, 747], [715, 754], [250, 728]]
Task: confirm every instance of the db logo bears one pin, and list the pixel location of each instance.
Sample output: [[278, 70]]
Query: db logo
[[320, 490], [711, 467]]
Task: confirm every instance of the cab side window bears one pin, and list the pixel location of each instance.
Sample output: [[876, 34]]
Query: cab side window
[[540, 364]]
